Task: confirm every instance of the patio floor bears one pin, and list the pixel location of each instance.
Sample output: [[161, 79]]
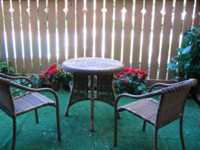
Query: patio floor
[[76, 135]]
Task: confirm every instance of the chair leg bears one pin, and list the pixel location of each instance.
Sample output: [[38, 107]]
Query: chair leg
[[58, 124], [181, 133], [68, 106], [14, 133], [155, 146], [36, 116], [67, 110], [116, 115], [144, 126]]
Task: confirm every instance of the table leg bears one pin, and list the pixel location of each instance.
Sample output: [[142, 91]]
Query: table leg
[[92, 105], [78, 90]]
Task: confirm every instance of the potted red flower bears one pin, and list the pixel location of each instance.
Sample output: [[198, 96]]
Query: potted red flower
[[54, 76], [130, 80]]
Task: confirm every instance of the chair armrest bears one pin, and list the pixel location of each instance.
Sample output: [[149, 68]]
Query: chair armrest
[[36, 90], [158, 85], [18, 77], [146, 95]]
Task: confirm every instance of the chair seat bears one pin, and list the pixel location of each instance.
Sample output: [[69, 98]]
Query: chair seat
[[145, 108], [31, 101]]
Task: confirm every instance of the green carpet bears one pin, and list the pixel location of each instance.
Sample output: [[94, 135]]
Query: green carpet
[[76, 135]]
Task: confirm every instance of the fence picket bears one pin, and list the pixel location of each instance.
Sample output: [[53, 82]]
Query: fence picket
[[156, 39], [61, 29], [146, 35], [166, 38]]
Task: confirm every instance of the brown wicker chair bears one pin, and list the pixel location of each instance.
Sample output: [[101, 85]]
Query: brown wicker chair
[[29, 101], [158, 113]]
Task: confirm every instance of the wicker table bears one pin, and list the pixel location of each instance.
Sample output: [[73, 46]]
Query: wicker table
[[92, 80]]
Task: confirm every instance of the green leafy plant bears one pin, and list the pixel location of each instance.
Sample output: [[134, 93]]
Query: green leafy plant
[[130, 80], [186, 63], [6, 67]]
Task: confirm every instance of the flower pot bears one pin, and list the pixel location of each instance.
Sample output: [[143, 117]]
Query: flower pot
[[55, 86]]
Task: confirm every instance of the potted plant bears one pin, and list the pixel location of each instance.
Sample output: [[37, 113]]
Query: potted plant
[[55, 77], [130, 80], [186, 64]]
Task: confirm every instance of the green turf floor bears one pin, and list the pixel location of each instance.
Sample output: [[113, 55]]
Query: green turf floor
[[76, 135]]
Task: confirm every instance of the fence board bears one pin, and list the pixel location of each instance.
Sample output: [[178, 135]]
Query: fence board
[[80, 27], [146, 35], [99, 6], [2, 51], [156, 40], [127, 33], [17, 43], [166, 37], [27, 44], [9, 32], [197, 19], [33, 22], [43, 31], [89, 26], [176, 29], [52, 30], [138, 24], [189, 12], [61, 30], [108, 29], [71, 24], [118, 27]]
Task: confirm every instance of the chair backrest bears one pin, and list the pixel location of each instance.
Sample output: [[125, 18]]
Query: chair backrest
[[172, 101], [6, 101]]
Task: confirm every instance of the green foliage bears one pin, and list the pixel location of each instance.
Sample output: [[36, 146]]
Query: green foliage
[[186, 63], [6, 67]]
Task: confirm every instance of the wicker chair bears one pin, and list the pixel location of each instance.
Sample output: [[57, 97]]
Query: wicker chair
[[158, 113], [31, 100]]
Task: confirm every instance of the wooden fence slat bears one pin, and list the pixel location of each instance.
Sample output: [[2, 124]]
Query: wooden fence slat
[[61, 30], [2, 51], [138, 24], [71, 24], [25, 24], [118, 27], [188, 17], [89, 26], [108, 29], [176, 30], [146, 35], [197, 18], [52, 30], [43, 31], [80, 27], [156, 39], [127, 33], [33, 22], [165, 44], [99, 4], [16, 20], [9, 31]]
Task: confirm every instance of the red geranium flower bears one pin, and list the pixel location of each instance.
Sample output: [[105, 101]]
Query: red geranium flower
[[125, 80], [53, 69]]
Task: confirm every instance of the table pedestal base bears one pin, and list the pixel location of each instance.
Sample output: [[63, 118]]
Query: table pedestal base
[[91, 87]]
